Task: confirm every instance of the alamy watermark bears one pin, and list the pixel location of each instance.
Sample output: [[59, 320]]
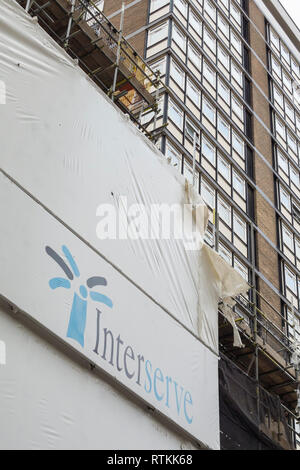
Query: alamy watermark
[[151, 222], [2, 92], [2, 353]]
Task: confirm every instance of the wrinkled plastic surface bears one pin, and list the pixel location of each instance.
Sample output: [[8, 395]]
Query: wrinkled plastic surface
[[65, 143]]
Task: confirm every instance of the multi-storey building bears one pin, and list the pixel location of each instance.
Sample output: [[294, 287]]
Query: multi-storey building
[[229, 121], [231, 69]]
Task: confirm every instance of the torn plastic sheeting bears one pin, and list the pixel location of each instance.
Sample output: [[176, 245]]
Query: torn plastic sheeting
[[83, 146]]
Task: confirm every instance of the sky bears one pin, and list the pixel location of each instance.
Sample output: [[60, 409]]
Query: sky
[[293, 8]]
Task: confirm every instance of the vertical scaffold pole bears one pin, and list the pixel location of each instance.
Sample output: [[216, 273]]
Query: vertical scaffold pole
[[156, 109], [28, 5], [70, 23], [118, 51], [194, 157], [255, 322]]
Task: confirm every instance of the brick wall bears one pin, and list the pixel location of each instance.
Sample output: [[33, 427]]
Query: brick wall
[[265, 215], [135, 18]]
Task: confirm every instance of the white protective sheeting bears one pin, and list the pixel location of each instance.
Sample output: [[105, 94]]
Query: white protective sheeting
[[65, 143], [49, 401], [104, 317]]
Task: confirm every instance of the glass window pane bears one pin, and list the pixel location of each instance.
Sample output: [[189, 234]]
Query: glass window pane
[[223, 128], [238, 145], [193, 93], [157, 34], [209, 111], [240, 228], [174, 156], [208, 194], [224, 169], [177, 74], [175, 114], [224, 211], [179, 38], [209, 151], [239, 185]]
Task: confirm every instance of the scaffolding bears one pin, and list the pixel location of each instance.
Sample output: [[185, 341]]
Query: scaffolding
[[270, 353], [87, 35], [102, 51]]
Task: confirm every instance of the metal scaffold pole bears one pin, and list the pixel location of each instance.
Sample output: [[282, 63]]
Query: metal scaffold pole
[[70, 23], [118, 51], [194, 157], [28, 5]]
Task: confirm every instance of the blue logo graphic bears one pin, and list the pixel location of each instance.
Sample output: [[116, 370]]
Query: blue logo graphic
[[77, 322]]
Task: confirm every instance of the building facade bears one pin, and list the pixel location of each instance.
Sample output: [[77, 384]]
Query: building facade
[[231, 103], [228, 118]]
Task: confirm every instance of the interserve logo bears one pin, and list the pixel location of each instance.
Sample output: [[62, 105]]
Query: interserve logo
[[78, 314]]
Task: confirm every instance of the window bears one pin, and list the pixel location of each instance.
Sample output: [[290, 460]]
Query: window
[[237, 74], [223, 128], [297, 245], [223, 57], [182, 6], [292, 143], [294, 173], [224, 211], [285, 53], [194, 56], [190, 130], [295, 66], [238, 109], [188, 173], [225, 254], [209, 238], [278, 96], [210, 9], [174, 156], [298, 123], [274, 39], [209, 40], [239, 185], [241, 269], [283, 162], [175, 114], [177, 74], [236, 42], [290, 112], [224, 168], [280, 128], [276, 67], [287, 82], [240, 228], [209, 111], [223, 25], [209, 74], [238, 145], [208, 151], [179, 37], [195, 22], [159, 66], [223, 91], [156, 4], [235, 13], [225, 3], [208, 194], [157, 34], [285, 199], [287, 238], [193, 93], [290, 280]]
